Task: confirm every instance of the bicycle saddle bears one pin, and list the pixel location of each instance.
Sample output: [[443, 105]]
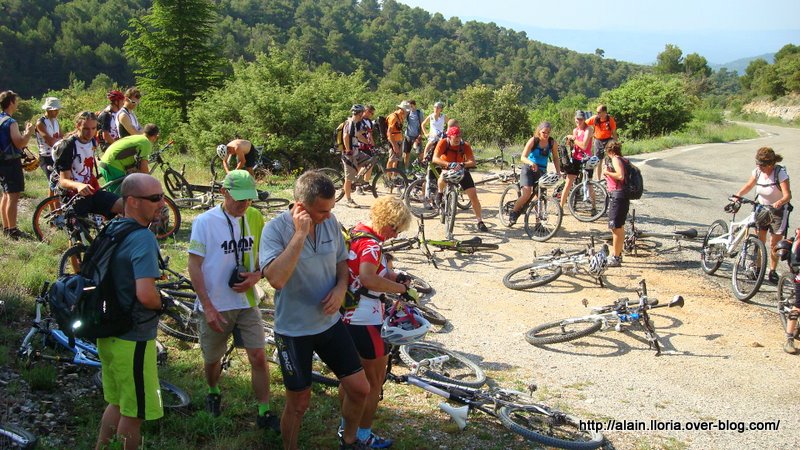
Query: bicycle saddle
[[471, 241], [691, 233]]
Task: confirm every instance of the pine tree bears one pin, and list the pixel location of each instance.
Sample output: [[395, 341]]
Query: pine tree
[[172, 48]]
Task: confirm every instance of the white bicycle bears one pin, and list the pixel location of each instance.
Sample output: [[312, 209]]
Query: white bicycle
[[736, 241]]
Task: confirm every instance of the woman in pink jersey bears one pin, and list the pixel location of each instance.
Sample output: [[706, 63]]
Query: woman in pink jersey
[[582, 149]]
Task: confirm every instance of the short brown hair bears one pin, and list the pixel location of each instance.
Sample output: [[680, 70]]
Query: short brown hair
[[133, 92], [766, 155], [614, 147], [151, 129], [7, 98]]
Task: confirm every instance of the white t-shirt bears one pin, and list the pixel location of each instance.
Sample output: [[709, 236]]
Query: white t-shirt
[[53, 129], [211, 239], [767, 190], [83, 162], [436, 127]]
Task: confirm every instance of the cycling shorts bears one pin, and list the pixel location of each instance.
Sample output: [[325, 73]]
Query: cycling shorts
[[334, 346], [101, 202], [368, 341], [617, 210], [12, 178], [529, 177], [600, 147], [130, 377], [780, 222]]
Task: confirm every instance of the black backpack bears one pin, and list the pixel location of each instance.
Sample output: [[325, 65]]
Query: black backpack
[[84, 304], [633, 184]]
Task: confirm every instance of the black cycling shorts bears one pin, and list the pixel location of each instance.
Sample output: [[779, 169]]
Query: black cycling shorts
[[618, 207], [529, 177], [368, 341], [465, 183], [600, 147], [573, 167], [101, 202], [334, 346], [12, 178], [408, 144]]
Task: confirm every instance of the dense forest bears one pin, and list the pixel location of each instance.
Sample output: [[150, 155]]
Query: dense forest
[[47, 44]]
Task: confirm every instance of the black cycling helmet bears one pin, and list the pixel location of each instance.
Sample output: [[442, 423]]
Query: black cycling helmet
[[783, 249], [357, 109]]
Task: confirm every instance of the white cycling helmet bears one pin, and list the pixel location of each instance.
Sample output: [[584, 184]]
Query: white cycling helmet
[[549, 180], [404, 325], [454, 175], [591, 163], [763, 216], [598, 263], [222, 151]]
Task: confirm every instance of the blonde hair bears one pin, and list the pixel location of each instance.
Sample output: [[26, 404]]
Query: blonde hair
[[389, 211], [541, 127]]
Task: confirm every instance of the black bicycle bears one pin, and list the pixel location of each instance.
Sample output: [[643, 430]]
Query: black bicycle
[[384, 181], [272, 162]]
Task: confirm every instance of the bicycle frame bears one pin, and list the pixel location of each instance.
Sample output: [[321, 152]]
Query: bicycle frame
[[737, 233]]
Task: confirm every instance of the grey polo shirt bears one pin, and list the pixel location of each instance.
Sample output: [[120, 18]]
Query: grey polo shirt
[[298, 306]]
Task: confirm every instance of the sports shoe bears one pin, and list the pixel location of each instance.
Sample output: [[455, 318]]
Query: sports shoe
[[512, 217], [17, 234], [357, 445], [375, 441], [482, 227], [269, 421], [360, 190], [788, 347], [773, 277], [214, 404], [351, 203], [614, 261]]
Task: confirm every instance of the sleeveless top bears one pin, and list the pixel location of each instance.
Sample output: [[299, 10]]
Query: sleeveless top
[[53, 129], [436, 126], [134, 121], [581, 153]]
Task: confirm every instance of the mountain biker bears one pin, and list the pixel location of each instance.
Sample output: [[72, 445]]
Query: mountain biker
[[605, 130], [619, 203], [128, 155], [353, 134], [245, 155], [127, 122], [107, 120], [772, 189], [75, 163], [538, 150], [791, 322], [413, 133], [581, 138], [12, 179], [394, 134], [436, 125], [454, 154], [364, 314], [48, 132]]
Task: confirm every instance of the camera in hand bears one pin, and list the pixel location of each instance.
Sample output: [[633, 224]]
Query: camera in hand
[[236, 276]]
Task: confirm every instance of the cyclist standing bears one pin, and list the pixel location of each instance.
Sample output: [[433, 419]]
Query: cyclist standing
[[12, 179], [436, 125], [614, 171], [48, 132], [772, 189], [370, 277], [413, 133], [455, 154], [394, 134], [538, 150], [127, 122], [107, 120], [245, 155], [605, 130], [353, 128]]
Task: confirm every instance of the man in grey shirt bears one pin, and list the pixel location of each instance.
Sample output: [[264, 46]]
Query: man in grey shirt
[[304, 257], [413, 135]]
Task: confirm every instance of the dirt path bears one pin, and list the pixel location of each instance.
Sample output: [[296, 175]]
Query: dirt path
[[723, 359]]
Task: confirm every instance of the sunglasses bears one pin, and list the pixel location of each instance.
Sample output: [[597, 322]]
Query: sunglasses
[[155, 198], [763, 163]]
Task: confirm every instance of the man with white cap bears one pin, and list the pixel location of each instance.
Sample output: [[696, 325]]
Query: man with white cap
[[223, 266], [48, 132]]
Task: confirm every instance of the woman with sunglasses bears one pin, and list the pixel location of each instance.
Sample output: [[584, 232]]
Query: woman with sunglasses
[[772, 189], [537, 152]]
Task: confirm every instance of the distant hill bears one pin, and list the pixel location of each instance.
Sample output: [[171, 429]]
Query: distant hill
[[741, 64]]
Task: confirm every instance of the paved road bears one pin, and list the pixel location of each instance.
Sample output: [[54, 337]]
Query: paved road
[[689, 186]]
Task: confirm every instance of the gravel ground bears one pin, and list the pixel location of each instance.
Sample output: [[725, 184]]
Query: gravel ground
[[722, 361]]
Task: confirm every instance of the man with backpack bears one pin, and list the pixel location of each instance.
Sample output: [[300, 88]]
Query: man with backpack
[[351, 130], [12, 180], [605, 130], [413, 134], [130, 377], [107, 131]]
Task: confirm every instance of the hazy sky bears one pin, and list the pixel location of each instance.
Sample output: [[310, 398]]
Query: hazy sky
[[637, 31]]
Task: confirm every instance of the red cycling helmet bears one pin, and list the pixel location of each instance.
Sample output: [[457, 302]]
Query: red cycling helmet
[[115, 96]]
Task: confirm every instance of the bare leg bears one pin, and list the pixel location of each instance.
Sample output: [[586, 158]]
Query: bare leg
[[375, 370], [296, 406], [130, 432], [9, 205], [525, 195], [472, 193], [356, 389], [567, 188], [213, 372], [618, 237], [259, 373], [108, 426]]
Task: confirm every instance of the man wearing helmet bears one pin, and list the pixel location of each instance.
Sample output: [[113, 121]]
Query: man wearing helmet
[[455, 154], [245, 156], [107, 120]]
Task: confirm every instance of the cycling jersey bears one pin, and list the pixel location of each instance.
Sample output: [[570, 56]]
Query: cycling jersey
[[369, 310], [449, 153]]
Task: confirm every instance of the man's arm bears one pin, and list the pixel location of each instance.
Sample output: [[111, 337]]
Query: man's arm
[[241, 159], [20, 140], [333, 301], [42, 129], [279, 270], [147, 294], [213, 317], [65, 181]]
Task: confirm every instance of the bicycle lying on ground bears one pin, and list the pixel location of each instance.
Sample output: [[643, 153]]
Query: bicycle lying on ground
[[545, 269], [737, 242], [54, 346], [12, 436], [623, 311], [384, 181], [543, 214], [632, 235], [469, 246], [210, 196], [274, 162]]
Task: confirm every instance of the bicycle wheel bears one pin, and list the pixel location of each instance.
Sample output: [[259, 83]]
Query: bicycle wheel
[[532, 275], [176, 184], [12, 436], [419, 284], [393, 245], [450, 210], [456, 370], [462, 200], [46, 221], [280, 163], [168, 222], [70, 263], [172, 397], [581, 204], [271, 204], [548, 427], [543, 218], [433, 316], [187, 328], [337, 178], [786, 298], [507, 201], [389, 182], [417, 202], [750, 268], [562, 331], [711, 255]]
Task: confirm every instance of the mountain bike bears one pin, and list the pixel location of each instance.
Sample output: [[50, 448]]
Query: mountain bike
[[631, 243], [543, 214], [588, 199], [12, 436], [54, 345], [737, 242], [384, 181], [210, 196], [623, 311], [420, 195], [420, 241], [545, 269], [273, 162]]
